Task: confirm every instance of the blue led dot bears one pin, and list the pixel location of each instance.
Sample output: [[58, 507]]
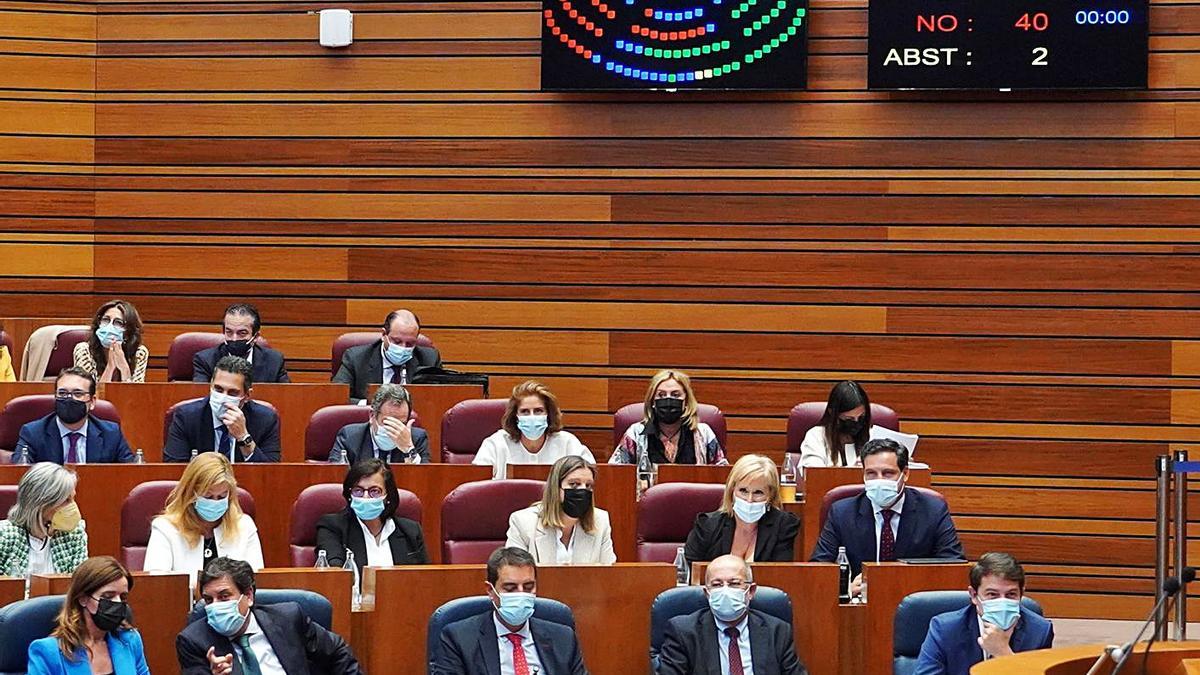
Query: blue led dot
[[595, 58], [688, 14], [712, 27], [620, 44]]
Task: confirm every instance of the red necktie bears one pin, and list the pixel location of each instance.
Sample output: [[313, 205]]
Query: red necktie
[[735, 652], [73, 453], [887, 540], [520, 665]]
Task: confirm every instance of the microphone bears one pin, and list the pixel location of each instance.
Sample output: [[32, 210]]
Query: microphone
[[1171, 587]]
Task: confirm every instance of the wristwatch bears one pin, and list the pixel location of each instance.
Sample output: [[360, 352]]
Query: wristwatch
[[245, 440]]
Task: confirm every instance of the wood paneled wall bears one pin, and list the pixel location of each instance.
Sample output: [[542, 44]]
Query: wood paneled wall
[[1016, 274]]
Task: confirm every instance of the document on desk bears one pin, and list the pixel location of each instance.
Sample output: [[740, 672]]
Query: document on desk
[[907, 440]]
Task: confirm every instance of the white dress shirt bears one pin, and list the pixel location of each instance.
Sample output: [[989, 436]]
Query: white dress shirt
[[506, 649], [896, 508], [81, 449], [743, 628], [268, 662], [379, 553], [564, 552], [499, 450], [39, 556]]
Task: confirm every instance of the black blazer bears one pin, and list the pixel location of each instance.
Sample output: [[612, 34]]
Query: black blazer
[[362, 366], [105, 444], [470, 647], [268, 364], [302, 645], [690, 646], [338, 531], [192, 427], [354, 443], [712, 536], [926, 531]]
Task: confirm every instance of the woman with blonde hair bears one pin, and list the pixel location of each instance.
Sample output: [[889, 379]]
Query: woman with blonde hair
[[44, 532], [202, 521], [531, 432], [94, 632], [751, 522], [565, 527], [670, 431]]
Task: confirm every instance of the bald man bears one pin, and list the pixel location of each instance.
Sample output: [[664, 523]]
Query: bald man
[[727, 637], [392, 359]]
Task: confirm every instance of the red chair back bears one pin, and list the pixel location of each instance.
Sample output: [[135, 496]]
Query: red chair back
[[322, 499], [24, 409], [466, 425], [357, 339], [185, 347], [144, 502], [63, 355], [808, 415], [169, 415], [475, 517], [630, 414], [666, 513], [852, 491]]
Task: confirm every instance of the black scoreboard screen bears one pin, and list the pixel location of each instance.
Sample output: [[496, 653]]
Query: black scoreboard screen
[[1021, 44], [674, 44]]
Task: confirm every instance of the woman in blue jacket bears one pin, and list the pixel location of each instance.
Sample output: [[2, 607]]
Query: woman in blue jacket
[[95, 633]]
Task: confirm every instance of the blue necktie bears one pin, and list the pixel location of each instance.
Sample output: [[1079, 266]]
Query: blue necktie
[[226, 444]]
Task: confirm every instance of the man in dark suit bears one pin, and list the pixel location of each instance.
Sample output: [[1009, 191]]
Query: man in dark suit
[[396, 348], [388, 435], [994, 624], [509, 641], [71, 434], [241, 328], [240, 637], [227, 421], [887, 522], [727, 637]]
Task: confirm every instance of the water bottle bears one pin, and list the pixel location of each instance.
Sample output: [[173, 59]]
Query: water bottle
[[645, 471], [195, 453], [843, 562], [682, 571], [322, 561], [21, 456], [355, 594], [139, 457]]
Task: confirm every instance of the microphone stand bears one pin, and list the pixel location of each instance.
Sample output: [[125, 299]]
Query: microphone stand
[[1170, 587]]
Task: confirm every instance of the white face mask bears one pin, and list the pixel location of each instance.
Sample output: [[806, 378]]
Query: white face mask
[[749, 512]]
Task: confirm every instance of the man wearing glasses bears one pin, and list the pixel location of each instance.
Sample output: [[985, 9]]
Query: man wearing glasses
[[748, 641], [71, 434]]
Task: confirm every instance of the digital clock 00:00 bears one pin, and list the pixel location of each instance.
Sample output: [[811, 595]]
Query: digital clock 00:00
[[1085, 17]]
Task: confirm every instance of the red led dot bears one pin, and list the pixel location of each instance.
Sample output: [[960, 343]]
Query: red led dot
[[578, 49], [556, 30], [587, 53], [604, 8], [590, 26], [599, 32], [674, 35], [691, 33], [700, 31], [571, 44], [548, 13], [563, 37], [574, 14], [649, 12], [566, 5], [654, 34]]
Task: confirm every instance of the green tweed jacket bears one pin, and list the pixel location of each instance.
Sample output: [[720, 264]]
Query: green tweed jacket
[[67, 549]]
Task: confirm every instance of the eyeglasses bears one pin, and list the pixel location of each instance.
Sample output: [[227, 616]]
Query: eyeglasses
[[106, 321], [77, 394], [373, 493], [735, 584]]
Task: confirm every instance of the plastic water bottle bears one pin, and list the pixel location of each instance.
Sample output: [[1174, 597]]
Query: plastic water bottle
[[645, 471], [21, 456], [322, 561], [843, 562], [682, 571], [195, 453], [355, 594], [139, 457]]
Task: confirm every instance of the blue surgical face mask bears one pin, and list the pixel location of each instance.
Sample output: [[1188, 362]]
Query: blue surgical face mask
[[1001, 612], [109, 334], [727, 604], [383, 441], [367, 508], [882, 492], [515, 608], [397, 355], [217, 402], [211, 510], [225, 617], [532, 426], [748, 512]]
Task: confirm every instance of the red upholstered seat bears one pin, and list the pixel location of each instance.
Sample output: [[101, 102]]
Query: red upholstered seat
[[325, 423], [475, 517], [8, 497], [63, 355], [144, 502], [666, 513], [322, 499], [630, 414], [808, 415], [467, 424], [24, 409], [169, 415], [184, 348], [848, 491], [357, 339]]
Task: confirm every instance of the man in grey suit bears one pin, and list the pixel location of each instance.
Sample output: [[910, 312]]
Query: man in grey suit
[[508, 640], [392, 359], [389, 434]]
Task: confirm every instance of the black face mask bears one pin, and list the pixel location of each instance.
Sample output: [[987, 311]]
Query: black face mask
[[851, 427], [576, 501], [240, 348], [668, 410], [110, 614], [69, 410]]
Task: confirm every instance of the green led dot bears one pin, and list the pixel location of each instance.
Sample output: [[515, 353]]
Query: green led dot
[[774, 13], [747, 32], [678, 53], [775, 43], [726, 68], [800, 12], [735, 14], [757, 25], [749, 58], [758, 53], [783, 37], [724, 44], [766, 49], [706, 49], [797, 21], [791, 30], [671, 77]]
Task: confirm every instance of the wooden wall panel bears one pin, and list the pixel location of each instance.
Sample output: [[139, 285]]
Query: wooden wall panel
[[1015, 273]]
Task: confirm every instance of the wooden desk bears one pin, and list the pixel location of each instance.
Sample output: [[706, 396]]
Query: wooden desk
[[102, 487], [820, 480], [431, 401], [333, 584], [887, 585], [691, 473], [611, 606], [12, 589], [160, 604], [616, 493], [1163, 660]]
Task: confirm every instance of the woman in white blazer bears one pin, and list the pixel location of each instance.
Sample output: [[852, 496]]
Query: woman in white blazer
[[565, 527], [202, 521]]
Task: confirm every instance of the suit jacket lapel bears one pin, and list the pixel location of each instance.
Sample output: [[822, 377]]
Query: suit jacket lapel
[[122, 659], [95, 442], [355, 539], [970, 637], [366, 447], [864, 521], [765, 542], [54, 443], [545, 649], [761, 652], [374, 365], [547, 548], [489, 646], [710, 648], [205, 434], [288, 649], [906, 532]]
